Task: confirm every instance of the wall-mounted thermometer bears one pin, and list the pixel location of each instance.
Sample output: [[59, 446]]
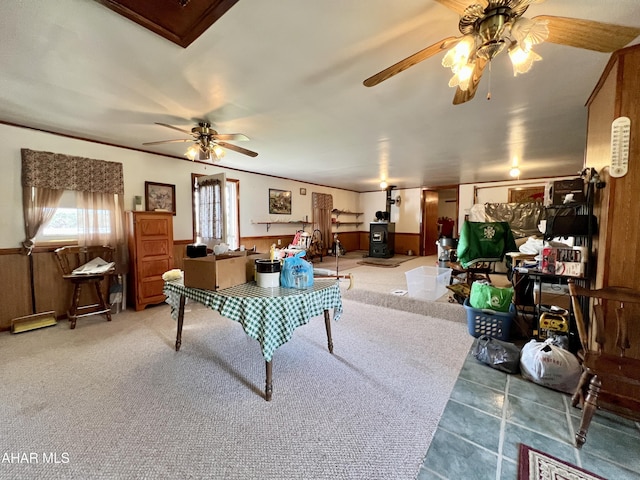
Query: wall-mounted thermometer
[[620, 133]]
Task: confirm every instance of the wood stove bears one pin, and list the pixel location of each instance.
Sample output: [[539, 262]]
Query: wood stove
[[381, 239]]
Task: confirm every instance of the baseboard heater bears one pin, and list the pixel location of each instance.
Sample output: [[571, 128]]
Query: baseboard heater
[[32, 322]]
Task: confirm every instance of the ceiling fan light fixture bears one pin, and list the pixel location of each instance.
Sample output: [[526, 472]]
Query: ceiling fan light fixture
[[528, 32], [217, 151], [491, 28], [490, 49], [458, 55], [522, 59], [462, 77], [192, 152]]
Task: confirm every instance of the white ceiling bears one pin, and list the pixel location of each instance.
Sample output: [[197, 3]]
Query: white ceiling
[[288, 74]]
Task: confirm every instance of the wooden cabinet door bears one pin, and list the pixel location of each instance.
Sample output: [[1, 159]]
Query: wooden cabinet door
[[151, 252]]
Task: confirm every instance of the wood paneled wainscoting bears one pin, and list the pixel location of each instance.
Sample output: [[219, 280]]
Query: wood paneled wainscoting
[[15, 285], [403, 242], [50, 291]]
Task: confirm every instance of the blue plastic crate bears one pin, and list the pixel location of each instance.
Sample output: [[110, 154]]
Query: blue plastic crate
[[489, 322]]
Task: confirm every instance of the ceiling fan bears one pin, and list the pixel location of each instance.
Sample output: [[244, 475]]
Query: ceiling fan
[[208, 144], [490, 26]]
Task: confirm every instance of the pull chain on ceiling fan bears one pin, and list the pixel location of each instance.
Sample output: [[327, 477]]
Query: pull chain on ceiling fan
[[491, 26], [208, 144]]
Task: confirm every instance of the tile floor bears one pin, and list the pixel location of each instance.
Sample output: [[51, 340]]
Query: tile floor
[[490, 412]]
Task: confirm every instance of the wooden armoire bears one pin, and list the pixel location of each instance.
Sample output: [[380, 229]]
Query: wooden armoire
[[150, 239], [617, 94]]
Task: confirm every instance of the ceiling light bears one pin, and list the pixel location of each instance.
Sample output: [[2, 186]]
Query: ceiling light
[[192, 152], [462, 76], [522, 59], [383, 185], [205, 151], [486, 33], [217, 151], [514, 172]]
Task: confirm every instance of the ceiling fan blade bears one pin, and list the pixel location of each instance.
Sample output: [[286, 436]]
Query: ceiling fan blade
[[175, 128], [238, 149], [230, 136], [588, 34], [169, 141], [459, 6], [462, 96], [411, 61]]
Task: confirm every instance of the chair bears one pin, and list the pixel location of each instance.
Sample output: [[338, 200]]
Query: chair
[[611, 360], [69, 259], [480, 245], [316, 247]]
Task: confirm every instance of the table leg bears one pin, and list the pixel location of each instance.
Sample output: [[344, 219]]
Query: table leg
[[180, 322], [268, 387], [327, 324]]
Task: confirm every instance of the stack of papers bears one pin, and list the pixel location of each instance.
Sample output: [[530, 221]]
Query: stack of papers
[[94, 267]]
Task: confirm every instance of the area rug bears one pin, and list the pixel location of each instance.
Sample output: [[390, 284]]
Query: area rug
[[536, 465], [385, 262]]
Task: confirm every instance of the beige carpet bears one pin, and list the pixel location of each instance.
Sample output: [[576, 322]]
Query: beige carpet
[[115, 400], [379, 286]]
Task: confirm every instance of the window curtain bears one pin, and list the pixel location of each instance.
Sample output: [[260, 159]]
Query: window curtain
[[101, 187], [210, 210], [322, 204], [38, 205]]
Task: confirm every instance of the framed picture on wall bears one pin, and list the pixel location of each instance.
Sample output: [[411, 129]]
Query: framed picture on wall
[[160, 197], [280, 201], [526, 195]]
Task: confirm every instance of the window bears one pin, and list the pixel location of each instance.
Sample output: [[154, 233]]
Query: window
[[233, 213], [69, 222], [216, 216]]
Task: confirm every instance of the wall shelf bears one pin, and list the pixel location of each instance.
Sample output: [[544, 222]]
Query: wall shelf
[[337, 212], [304, 223]]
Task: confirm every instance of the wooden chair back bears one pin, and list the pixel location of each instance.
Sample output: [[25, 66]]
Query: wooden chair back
[[610, 340], [72, 257], [615, 321]]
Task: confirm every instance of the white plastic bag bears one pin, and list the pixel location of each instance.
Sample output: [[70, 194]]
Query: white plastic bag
[[549, 365]]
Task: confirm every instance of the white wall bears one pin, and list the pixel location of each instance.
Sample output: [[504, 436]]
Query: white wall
[[254, 189], [140, 167], [406, 216]]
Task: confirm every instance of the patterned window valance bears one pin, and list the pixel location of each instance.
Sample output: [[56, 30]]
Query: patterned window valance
[[322, 200], [65, 172]]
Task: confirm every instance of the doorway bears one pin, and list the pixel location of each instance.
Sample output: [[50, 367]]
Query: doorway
[[436, 203]]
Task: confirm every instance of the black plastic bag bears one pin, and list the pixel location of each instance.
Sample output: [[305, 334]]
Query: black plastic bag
[[503, 356]]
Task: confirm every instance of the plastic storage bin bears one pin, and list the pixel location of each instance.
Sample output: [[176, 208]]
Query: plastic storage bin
[[489, 322], [428, 283]]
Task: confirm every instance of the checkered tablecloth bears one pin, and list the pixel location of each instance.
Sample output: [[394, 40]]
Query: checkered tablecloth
[[269, 315]]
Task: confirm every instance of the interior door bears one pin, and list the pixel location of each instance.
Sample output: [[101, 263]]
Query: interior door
[[429, 228]]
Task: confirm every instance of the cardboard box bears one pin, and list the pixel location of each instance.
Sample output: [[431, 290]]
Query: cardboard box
[[251, 258], [215, 272], [552, 294], [568, 262]]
